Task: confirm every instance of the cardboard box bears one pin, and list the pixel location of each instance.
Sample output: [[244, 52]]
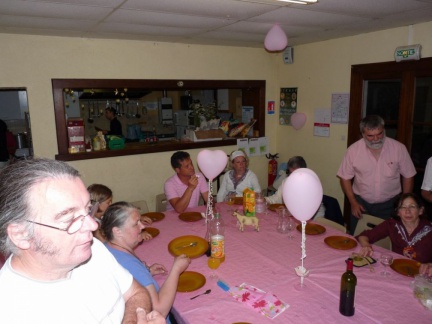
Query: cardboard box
[[75, 127], [207, 135]]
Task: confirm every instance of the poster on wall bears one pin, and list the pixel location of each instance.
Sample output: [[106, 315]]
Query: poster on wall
[[288, 105], [339, 108]]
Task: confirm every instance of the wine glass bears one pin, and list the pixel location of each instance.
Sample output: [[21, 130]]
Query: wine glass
[[290, 227], [213, 263], [386, 260]]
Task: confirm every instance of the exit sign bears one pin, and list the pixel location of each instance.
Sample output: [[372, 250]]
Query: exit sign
[[405, 53]]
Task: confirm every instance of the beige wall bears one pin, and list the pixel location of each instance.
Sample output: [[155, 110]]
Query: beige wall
[[323, 68], [318, 70]]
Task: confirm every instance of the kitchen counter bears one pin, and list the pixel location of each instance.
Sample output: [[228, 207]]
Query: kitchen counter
[[144, 148]]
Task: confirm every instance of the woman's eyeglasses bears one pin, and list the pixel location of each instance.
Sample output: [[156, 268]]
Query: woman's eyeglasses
[[75, 225], [410, 207]]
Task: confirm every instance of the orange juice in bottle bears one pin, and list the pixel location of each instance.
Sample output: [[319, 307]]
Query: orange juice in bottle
[[249, 202]]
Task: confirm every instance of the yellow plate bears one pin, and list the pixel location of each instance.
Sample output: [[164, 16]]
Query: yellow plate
[[406, 267], [340, 242], [274, 207], [154, 216], [179, 246], [152, 231], [190, 281], [312, 229], [190, 217]]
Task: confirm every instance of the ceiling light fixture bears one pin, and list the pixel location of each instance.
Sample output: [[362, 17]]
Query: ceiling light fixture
[[305, 2]]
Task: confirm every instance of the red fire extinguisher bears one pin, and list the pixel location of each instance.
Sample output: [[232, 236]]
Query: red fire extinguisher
[[272, 168]]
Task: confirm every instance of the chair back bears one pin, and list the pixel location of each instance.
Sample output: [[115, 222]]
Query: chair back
[[141, 205], [161, 202], [332, 210], [330, 223], [368, 222]]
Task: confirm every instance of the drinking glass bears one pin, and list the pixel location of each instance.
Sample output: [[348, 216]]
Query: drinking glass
[[290, 227], [213, 263], [386, 260]]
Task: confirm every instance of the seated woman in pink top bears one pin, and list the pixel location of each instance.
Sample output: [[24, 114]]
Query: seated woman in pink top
[[184, 188], [410, 232]]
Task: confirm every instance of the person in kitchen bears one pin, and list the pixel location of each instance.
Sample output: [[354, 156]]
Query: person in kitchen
[[55, 270], [103, 195], [184, 188], [115, 125], [238, 178]]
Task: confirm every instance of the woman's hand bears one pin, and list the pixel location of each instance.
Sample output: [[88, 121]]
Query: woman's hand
[[181, 263], [146, 236], [426, 269], [366, 248], [146, 220], [154, 317], [157, 268]]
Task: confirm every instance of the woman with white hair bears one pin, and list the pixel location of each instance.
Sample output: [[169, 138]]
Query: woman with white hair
[[238, 178]]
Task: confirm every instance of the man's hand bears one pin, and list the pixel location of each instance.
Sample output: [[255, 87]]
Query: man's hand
[[193, 182], [357, 209], [153, 317]]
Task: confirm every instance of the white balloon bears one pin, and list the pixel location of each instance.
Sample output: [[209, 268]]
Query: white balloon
[[302, 193]]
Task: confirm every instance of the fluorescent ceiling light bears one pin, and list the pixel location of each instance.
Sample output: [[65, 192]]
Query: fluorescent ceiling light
[[300, 1]]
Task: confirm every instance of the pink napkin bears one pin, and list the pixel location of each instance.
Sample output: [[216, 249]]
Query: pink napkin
[[260, 301]]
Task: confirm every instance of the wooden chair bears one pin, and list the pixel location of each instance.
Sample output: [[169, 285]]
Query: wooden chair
[[161, 202], [141, 205], [369, 222], [330, 223]]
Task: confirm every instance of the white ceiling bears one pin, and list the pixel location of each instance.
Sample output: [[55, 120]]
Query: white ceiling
[[217, 22]]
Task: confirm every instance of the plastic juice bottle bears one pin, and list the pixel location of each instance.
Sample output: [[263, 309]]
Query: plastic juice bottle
[[249, 202], [217, 238]]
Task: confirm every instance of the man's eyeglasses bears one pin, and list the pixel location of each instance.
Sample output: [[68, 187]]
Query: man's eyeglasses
[[76, 223], [410, 207]]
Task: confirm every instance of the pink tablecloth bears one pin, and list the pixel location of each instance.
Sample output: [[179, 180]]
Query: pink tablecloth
[[267, 259]]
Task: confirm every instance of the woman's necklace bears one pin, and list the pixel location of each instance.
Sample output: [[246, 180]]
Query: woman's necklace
[[131, 252], [124, 248]]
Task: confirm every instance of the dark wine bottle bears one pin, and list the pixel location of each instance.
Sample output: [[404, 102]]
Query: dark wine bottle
[[347, 290]]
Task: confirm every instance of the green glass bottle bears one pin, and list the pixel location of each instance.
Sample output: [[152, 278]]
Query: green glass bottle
[[347, 291]]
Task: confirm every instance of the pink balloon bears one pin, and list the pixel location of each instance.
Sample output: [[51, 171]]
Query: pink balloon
[[212, 163], [302, 193], [276, 39], [298, 120]]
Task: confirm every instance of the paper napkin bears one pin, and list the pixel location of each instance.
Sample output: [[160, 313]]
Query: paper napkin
[[260, 301]]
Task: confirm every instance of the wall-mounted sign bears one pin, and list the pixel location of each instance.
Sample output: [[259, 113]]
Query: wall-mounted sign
[[288, 105], [406, 53]]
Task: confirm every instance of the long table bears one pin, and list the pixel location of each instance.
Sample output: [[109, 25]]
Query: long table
[[266, 259]]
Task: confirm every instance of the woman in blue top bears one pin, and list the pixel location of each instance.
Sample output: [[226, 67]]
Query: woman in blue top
[[122, 227]]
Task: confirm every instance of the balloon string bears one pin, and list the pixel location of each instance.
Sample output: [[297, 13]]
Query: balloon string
[[209, 209], [303, 242]]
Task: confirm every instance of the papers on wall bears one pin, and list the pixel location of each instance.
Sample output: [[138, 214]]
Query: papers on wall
[[254, 146], [322, 122], [339, 108], [247, 116]]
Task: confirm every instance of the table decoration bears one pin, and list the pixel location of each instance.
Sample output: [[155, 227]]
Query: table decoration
[[260, 301], [211, 164], [190, 281], [302, 194], [246, 220]]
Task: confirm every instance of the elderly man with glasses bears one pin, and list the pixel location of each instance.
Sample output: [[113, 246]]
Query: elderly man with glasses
[[55, 271]]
